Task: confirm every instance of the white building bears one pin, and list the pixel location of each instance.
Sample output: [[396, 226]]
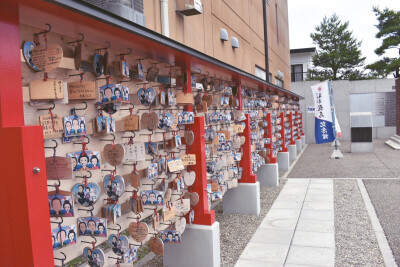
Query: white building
[[300, 62]]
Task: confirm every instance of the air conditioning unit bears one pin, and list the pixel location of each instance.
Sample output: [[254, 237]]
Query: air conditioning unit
[[189, 7]]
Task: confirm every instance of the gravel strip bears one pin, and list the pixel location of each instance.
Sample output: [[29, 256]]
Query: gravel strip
[[237, 230], [383, 163], [385, 197], [356, 244]]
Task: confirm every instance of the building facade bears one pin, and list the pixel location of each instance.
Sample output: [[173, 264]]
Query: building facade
[[241, 20], [300, 62]]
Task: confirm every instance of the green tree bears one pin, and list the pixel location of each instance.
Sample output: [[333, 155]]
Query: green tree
[[389, 31], [338, 55]]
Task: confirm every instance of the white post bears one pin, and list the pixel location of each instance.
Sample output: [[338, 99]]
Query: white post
[[164, 18]]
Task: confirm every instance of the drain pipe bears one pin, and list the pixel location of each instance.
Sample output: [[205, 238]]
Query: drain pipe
[[164, 18], [266, 40]]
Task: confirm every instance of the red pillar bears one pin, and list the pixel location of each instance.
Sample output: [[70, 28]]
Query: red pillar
[[201, 213], [283, 145], [247, 173], [269, 135], [25, 230]]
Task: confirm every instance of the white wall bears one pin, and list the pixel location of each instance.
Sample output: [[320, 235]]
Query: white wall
[[341, 91], [302, 58]]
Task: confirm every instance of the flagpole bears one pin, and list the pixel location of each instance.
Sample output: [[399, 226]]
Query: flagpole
[[336, 154]]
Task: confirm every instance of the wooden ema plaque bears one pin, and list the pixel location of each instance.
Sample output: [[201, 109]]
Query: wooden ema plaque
[[184, 99], [156, 245], [168, 213], [189, 159], [47, 124], [138, 231], [46, 90], [131, 123], [82, 90], [47, 59], [113, 154], [59, 168]]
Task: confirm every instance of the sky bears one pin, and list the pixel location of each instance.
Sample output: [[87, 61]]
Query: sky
[[304, 15]]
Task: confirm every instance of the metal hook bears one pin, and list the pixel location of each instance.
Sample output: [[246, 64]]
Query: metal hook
[[55, 185], [104, 48], [81, 108], [112, 140], [90, 210], [65, 257], [79, 143], [87, 242], [78, 41], [52, 102], [129, 137], [79, 74], [52, 147], [116, 229], [59, 223], [84, 176], [43, 32], [140, 216], [126, 54]]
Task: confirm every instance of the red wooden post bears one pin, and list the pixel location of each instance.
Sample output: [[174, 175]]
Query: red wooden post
[[247, 173], [269, 135], [292, 142], [283, 145], [201, 213], [25, 229]]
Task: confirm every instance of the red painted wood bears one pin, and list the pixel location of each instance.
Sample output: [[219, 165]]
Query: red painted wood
[[247, 173], [292, 142], [269, 146], [25, 229], [201, 213], [283, 145], [11, 109]]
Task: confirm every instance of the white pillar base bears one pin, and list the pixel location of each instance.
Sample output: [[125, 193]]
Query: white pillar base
[[292, 152], [283, 161], [268, 174], [303, 140], [299, 146], [200, 247], [244, 199]]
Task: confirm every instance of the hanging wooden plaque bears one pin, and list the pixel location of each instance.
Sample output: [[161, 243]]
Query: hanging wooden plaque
[[113, 154], [189, 137], [156, 245], [138, 231], [47, 124], [59, 168], [168, 213], [189, 159], [82, 90], [184, 99], [46, 90], [131, 123], [47, 59]]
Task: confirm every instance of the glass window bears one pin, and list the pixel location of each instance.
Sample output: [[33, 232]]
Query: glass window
[[128, 9], [297, 73], [278, 82]]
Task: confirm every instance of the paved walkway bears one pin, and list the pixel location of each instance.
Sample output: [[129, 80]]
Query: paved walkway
[[298, 230]]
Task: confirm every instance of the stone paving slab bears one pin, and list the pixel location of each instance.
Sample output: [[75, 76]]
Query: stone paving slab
[[385, 197], [315, 162], [293, 233]]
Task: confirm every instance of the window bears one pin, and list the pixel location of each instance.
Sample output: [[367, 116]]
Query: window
[[128, 9], [297, 72], [278, 82], [260, 73], [270, 77]]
